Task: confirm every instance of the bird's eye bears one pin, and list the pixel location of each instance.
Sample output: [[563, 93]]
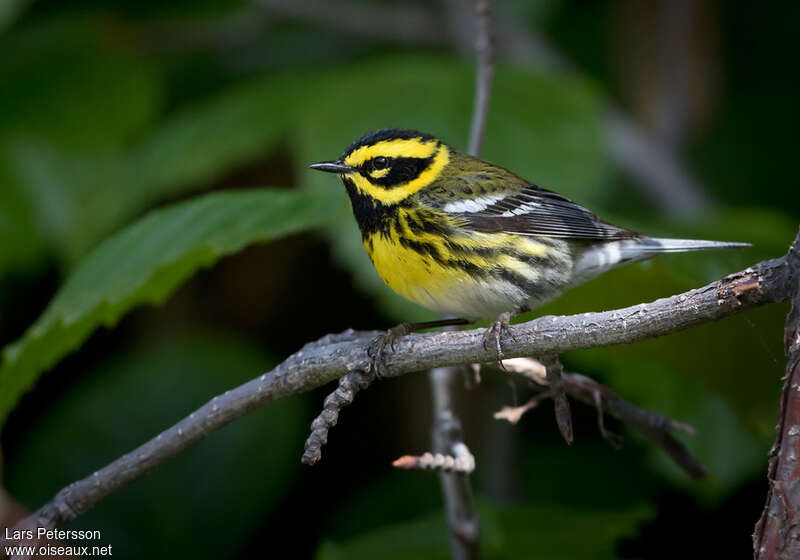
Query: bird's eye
[[379, 162]]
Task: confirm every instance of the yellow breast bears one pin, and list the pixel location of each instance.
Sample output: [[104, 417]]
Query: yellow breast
[[468, 274], [412, 274]]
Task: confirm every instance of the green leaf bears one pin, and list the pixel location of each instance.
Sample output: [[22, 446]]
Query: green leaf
[[207, 138], [225, 485], [81, 195], [144, 263]]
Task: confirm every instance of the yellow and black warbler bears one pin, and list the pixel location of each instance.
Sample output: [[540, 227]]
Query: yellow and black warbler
[[468, 238]]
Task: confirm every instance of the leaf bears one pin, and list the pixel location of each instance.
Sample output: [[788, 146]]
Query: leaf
[[225, 485], [206, 138], [144, 263]]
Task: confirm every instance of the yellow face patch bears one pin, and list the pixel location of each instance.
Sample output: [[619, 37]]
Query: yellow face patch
[[377, 174], [402, 191], [408, 147]]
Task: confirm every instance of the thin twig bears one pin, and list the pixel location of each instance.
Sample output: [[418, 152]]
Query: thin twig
[[461, 461], [448, 440], [320, 362], [777, 534], [483, 76], [513, 414], [555, 379], [655, 427], [344, 394]]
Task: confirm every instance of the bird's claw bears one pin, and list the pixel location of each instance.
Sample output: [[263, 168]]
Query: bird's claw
[[377, 347], [496, 331]]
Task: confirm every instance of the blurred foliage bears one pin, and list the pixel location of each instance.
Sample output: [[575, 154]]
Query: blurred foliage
[[535, 533], [143, 264], [113, 114], [125, 400]]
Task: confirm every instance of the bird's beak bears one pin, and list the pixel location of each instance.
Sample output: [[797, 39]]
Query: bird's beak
[[332, 167]]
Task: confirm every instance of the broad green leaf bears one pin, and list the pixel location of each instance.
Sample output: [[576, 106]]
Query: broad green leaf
[[144, 263], [80, 195], [224, 485], [205, 139]]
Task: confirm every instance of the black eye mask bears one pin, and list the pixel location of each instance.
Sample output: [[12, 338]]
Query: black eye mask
[[401, 171]]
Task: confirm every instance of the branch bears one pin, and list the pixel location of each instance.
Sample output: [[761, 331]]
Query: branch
[[448, 441], [483, 77], [777, 534], [461, 461], [332, 356], [554, 373], [344, 394], [655, 427]]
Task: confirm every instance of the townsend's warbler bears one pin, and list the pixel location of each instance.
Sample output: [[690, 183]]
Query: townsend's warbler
[[471, 239]]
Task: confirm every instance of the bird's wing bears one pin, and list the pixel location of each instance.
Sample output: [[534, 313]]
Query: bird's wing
[[533, 211]]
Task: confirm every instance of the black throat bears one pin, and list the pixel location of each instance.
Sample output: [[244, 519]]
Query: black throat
[[372, 215]]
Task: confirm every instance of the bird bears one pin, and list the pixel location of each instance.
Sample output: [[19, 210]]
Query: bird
[[470, 239]]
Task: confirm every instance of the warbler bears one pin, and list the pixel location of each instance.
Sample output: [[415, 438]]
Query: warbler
[[470, 239]]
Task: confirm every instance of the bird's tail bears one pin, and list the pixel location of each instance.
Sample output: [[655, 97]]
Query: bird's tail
[[600, 257], [645, 247]]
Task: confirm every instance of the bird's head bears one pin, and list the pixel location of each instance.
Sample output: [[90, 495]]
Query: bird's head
[[390, 164]]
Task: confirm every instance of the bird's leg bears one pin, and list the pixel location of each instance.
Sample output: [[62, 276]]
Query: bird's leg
[[377, 347], [499, 327]]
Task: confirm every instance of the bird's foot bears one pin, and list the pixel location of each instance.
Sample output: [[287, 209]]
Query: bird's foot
[[377, 347], [495, 332]]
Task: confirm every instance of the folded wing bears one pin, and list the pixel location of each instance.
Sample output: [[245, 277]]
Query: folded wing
[[537, 211]]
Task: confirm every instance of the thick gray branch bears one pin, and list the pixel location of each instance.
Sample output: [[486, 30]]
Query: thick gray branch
[[777, 535], [332, 356]]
